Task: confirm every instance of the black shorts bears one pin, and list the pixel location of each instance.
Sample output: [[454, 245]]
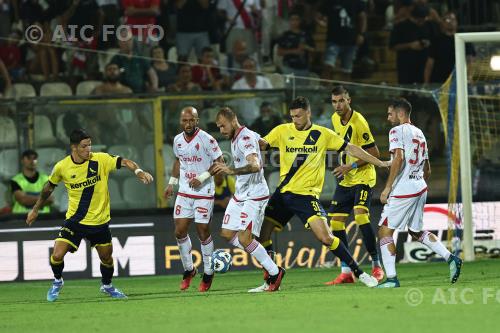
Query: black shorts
[[282, 206], [73, 232], [345, 199]]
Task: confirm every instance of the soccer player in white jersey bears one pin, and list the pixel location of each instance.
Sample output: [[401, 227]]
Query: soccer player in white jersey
[[405, 193], [195, 152], [245, 212]]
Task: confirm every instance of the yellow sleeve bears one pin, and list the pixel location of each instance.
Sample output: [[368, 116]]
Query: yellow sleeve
[[273, 137], [56, 177], [231, 184], [111, 162], [365, 136], [334, 141]]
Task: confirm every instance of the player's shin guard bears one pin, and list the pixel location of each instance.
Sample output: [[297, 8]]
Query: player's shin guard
[[207, 248], [57, 267], [340, 250], [363, 221], [433, 243], [107, 273], [387, 249], [338, 230], [256, 250], [185, 251]]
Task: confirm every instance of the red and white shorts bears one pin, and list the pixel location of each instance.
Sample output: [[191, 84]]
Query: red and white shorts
[[400, 213], [199, 209], [241, 215]]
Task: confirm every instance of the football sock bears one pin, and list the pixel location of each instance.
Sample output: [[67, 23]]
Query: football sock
[[388, 257], [236, 242], [432, 242], [207, 248], [338, 229], [185, 251], [340, 250], [57, 267], [107, 273], [256, 250], [368, 237]]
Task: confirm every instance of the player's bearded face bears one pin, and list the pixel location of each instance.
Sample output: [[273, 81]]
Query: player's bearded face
[[300, 118], [225, 127], [341, 104], [392, 117], [189, 125]]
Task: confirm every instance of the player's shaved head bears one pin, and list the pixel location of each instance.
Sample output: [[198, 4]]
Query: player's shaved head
[[227, 113], [189, 120]]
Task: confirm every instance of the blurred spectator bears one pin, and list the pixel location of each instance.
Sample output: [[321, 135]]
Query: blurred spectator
[[192, 27], [27, 185], [234, 61], [268, 119], [5, 82], [405, 7], [6, 12], [134, 68], [166, 72], [294, 46], [141, 13], [411, 40], [10, 54], [248, 108], [346, 21], [242, 20], [111, 17], [184, 82], [111, 84], [42, 58], [441, 60], [224, 190], [275, 15], [206, 74], [30, 11]]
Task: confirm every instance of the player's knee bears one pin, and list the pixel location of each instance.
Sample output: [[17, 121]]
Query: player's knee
[[57, 256], [226, 235], [106, 258], [245, 239], [180, 233], [362, 219]]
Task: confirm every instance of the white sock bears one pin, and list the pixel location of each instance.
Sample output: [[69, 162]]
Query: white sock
[[58, 280], [344, 268], [388, 258], [257, 251], [236, 242], [435, 246], [207, 248], [185, 251]]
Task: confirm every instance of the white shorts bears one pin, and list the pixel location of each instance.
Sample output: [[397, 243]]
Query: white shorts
[[190, 208], [240, 215], [400, 213]]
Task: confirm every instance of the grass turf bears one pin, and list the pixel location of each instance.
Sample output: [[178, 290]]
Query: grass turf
[[303, 305]]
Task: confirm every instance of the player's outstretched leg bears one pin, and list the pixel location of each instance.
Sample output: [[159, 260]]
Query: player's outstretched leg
[[455, 264], [338, 230], [363, 221], [185, 246], [388, 251], [107, 268], [207, 249], [57, 267]]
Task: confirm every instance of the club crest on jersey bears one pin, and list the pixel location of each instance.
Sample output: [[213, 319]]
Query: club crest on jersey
[[246, 138], [197, 146], [392, 131]]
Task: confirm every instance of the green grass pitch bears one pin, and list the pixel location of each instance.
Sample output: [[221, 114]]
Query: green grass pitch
[[426, 302]]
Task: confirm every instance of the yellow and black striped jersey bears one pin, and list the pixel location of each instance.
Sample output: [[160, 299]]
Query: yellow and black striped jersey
[[302, 156], [356, 131], [87, 186]]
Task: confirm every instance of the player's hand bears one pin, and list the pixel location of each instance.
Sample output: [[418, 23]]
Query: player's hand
[[385, 164], [145, 177], [341, 170], [221, 169], [32, 215], [169, 191], [385, 195], [194, 183]]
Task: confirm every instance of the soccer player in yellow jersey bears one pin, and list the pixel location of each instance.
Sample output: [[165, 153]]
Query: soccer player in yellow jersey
[[303, 148], [357, 179], [85, 175]]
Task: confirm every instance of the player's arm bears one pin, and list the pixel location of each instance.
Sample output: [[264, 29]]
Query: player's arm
[[174, 179], [361, 154], [143, 176], [427, 169], [47, 190], [263, 144], [341, 170], [252, 166], [397, 162]]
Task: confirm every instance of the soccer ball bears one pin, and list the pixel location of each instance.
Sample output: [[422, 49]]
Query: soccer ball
[[221, 261]]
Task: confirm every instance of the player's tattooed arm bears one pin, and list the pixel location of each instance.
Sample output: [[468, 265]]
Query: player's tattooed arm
[[253, 166], [143, 176], [263, 144], [427, 170], [397, 162], [200, 179], [360, 153], [47, 190]]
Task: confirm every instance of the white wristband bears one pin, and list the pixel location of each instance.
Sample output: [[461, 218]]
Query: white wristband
[[136, 171], [173, 181], [204, 176]]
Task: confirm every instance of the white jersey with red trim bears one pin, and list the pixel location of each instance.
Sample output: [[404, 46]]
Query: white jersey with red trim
[[196, 156], [410, 180], [253, 185]]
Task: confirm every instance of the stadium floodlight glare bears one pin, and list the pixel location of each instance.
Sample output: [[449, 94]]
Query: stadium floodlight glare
[[495, 63], [464, 130]]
